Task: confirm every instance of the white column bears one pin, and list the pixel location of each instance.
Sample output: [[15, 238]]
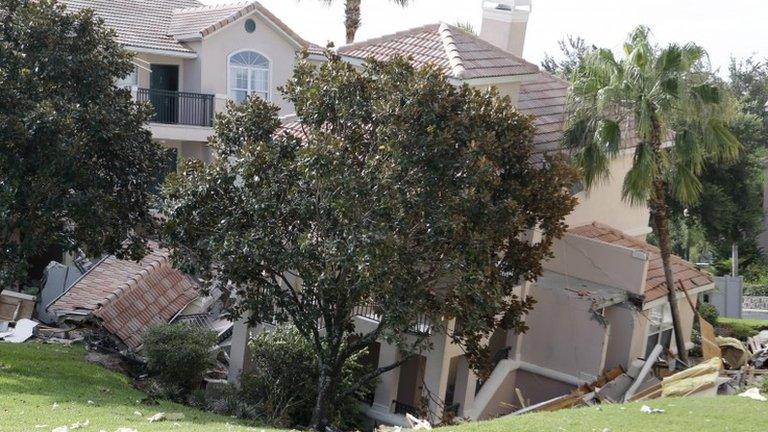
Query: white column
[[466, 382], [386, 390], [238, 352], [436, 375]]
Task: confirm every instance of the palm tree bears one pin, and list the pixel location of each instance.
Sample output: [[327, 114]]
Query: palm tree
[[352, 19], [659, 95]]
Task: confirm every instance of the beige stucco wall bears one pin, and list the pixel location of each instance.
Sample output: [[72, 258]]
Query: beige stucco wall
[[627, 337], [214, 52], [599, 262], [603, 203], [563, 335]]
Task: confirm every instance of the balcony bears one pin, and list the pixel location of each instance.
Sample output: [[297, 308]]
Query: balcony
[[179, 108]]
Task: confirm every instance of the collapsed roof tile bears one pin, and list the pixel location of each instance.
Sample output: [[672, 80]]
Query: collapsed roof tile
[[127, 296]]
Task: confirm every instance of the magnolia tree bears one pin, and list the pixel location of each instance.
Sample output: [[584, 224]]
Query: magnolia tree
[[76, 163], [398, 191]]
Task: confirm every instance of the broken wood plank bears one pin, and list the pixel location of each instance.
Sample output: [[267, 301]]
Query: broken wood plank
[[709, 346], [520, 397], [651, 392]]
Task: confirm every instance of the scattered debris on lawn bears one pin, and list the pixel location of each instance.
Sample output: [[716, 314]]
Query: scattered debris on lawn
[[416, 423], [161, 416], [754, 393], [24, 330], [648, 410]]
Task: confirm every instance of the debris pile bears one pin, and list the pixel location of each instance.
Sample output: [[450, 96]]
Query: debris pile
[[110, 303], [653, 378]]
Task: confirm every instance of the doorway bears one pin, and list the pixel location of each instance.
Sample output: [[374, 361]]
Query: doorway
[[164, 96]]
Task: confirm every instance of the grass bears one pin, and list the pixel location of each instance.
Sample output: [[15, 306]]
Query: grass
[[720, 414], [755, 324], [43, 387], [34, 377]]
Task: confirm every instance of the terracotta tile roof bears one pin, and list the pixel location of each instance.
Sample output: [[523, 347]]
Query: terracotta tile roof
[[195, 20], [544, 98], [460, 54], [655, 288], [205, 20], [138, 23], [127, 296], [156, 24]]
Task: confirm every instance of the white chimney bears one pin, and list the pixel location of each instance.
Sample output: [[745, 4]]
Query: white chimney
[[504, 24]]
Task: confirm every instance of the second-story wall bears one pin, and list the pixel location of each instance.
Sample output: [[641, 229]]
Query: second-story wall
[[211, 67], [604, 203]]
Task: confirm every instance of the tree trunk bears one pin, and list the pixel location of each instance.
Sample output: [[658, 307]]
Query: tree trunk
[[326, 389], [734, 259], [351, 18], [660, 219]]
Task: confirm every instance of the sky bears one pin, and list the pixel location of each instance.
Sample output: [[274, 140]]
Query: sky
[[724, 28]]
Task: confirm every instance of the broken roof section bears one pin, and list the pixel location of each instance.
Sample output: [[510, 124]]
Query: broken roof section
[[459, 54], [684, 272], [128, 297]]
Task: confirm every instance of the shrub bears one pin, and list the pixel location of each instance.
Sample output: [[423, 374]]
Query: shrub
[[756, 273], [756, 290], [179, 354], [696, 340], [709, 313], [283, 376], [737, 329], [228, 400]]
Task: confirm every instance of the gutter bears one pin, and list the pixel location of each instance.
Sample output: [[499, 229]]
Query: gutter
[[680, 295], [168, 53]]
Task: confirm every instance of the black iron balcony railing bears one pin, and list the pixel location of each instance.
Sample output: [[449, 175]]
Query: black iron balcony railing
[[172, 107], [421, 326]]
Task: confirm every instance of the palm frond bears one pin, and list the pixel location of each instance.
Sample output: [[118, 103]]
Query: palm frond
[[609, 136], [593, 164], [727, 146], [707, 93], [669, 61], [691, 55], [686, 184], [638, 183]]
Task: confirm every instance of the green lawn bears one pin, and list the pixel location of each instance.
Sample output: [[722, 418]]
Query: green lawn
[[34, 377], [756, 324], [723, 413]]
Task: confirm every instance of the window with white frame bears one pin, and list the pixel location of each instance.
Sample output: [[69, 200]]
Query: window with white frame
[[248, 74], [660, 328]]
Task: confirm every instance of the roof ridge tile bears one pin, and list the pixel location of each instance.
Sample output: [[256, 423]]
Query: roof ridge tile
[[210, 7], [388, 37], [452, 51]]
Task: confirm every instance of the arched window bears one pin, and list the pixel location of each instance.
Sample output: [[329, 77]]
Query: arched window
[[248, 73]]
